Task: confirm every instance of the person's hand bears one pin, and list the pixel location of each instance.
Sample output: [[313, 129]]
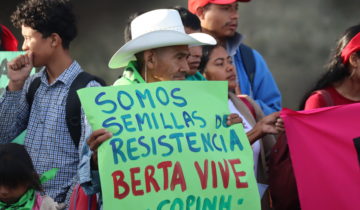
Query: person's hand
[[271, 124], [237, 90], [233, 119], [95, 140], [19, 70], [279, 124]]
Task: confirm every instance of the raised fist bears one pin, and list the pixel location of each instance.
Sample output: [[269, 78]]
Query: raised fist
[[18, 71]]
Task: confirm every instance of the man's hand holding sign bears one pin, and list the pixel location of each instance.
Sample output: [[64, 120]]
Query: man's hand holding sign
[[170, 146]]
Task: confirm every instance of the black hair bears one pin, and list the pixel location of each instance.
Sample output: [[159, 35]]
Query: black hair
[[127, 30], [127, 37], [16, 167], [336, 70], [188, 19], [47, 17], [206, 53]]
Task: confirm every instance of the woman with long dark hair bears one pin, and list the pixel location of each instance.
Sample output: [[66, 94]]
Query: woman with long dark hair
[[216, 64], [341, 83]]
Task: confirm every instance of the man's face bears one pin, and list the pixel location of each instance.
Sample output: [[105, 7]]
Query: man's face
[[195, 54], [169, 63], [34, 42], [220, 20], [194, 59]]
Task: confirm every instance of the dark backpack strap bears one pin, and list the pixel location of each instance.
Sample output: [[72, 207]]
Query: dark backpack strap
[[248, 60], [34, 85], [73, 105]]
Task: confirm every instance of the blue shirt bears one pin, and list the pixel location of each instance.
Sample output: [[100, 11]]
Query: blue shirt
[[47, 140], [264, 89]]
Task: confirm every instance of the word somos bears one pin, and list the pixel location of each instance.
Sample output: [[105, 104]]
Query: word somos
[[145, 99]]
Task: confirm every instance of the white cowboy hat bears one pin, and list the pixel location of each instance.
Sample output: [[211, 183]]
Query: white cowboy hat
[[154, 29]]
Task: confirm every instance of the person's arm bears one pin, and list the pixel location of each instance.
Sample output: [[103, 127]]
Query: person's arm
[[88, 167], [14, 109], [271, 124], [88, 175], [88, 171], [85, 132], [18, 71], [232, 119], [265, 90]]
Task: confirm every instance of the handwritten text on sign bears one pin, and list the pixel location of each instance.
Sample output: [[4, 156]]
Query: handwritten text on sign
[[171, 147]]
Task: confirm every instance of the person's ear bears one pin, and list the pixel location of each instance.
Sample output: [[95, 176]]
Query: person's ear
[[200, 12], [354, 60], [149, 58], [55, 40]]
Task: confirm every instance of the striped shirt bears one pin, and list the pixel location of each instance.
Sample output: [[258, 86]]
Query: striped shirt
[[47, 140]]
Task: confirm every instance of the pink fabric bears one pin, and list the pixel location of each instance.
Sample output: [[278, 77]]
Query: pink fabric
[[38, 202], [324, 157]]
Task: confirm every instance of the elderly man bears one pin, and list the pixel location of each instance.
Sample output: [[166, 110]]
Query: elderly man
[[160, 47], [158, 51], [219, 18]]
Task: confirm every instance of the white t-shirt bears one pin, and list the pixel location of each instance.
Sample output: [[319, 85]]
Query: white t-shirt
[[247, 127]]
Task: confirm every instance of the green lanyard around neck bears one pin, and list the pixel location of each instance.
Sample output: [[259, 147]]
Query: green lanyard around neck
[[26, 202]]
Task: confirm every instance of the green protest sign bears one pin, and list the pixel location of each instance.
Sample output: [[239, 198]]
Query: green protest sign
[[5, 57], [171, 148]]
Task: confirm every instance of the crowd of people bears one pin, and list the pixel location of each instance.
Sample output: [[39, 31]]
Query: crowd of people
[[199, 43]]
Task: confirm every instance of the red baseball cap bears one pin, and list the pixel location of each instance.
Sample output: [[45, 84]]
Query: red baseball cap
[[194, 4]]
